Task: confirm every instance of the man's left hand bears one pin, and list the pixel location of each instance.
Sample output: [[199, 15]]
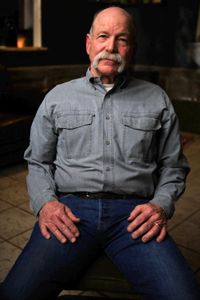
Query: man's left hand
[[148, 221]]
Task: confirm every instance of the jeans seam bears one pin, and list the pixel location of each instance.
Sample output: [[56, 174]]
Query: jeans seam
[[99, 215]]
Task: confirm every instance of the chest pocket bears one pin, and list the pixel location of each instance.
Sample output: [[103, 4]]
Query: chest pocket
[[139, 137], [75, 134]]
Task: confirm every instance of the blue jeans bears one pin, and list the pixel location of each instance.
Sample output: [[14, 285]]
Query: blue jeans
[[156, 271]]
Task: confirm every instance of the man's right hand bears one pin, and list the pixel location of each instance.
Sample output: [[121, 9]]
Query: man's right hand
[[58, 219]]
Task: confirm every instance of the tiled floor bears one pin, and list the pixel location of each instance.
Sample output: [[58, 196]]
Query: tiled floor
[[16, 219]]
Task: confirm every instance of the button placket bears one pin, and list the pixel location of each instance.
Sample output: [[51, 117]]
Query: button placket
[[108, 156], [108, 117]]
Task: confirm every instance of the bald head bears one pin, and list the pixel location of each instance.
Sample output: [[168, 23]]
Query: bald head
[[113, 11]]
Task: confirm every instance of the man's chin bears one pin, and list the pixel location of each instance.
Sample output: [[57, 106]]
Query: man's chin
[[106, 71]]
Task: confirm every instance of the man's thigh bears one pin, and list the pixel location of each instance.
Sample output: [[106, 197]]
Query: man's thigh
[[45, 267], [155, 270]]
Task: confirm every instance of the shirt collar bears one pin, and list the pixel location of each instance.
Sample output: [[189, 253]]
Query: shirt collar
[[120, 81]]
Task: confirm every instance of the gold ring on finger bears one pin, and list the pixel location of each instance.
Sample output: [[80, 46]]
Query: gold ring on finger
[[157, 224]]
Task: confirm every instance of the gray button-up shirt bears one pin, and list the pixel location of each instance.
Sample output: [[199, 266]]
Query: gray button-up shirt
[[124, 141]]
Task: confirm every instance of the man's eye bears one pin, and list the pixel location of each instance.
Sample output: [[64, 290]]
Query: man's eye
[[102, 36], [123, 41]]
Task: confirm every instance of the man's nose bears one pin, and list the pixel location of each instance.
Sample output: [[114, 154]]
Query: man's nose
[[111, 45]]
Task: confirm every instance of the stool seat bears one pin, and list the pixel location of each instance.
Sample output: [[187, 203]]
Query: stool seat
[[103, 276]]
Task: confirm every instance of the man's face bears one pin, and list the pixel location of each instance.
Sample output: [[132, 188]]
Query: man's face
[[108, 46]]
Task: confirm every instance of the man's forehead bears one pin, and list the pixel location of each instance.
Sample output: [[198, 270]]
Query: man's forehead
[[107, 24]]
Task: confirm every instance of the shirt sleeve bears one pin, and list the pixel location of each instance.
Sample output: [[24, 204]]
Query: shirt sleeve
[[172, 164], [40, 155]]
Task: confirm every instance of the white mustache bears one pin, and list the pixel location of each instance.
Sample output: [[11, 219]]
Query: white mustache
[[111, 56]]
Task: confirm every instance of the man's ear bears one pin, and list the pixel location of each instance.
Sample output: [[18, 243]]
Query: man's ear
[[88, 43]]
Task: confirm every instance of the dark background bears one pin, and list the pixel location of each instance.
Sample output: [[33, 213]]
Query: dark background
[[164, 32]]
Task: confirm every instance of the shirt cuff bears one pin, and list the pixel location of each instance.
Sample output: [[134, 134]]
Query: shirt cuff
[[166, 204]]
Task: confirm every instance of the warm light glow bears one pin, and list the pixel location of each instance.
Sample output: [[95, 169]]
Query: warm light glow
[[20, 41]]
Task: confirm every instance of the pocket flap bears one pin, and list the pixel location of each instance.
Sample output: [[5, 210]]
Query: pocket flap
[[71, 121], [141, 123]]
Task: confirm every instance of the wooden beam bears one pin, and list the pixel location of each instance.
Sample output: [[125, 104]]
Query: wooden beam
[[37, 24], [198, 27]]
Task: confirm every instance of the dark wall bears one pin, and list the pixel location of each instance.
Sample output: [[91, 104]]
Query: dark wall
[[164, 32], [65, 24]]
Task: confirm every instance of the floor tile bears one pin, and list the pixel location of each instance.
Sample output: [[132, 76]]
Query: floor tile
[[9, 253], [26, 206], [14, 170], [4, 205], [15, 195], [6, 182], [193, 187], [13, 221], [12, 175], [187, 234], [20, 175], [21, 239], [192, 258], [185, 207]]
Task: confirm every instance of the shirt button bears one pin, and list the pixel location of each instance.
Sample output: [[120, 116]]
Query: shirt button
[[107, 169], [107, 117], [107, 143]]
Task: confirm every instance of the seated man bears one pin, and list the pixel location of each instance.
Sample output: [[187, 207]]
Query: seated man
[[105, 169]]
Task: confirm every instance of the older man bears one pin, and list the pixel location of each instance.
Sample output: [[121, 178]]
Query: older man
[[105, 168]]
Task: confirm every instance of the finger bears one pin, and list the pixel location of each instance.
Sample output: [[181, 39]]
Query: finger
[[162, 234], [135, 212], [71, 215], [65, 229], [66, 220], [44, 231], [58, 234], [144, 228], [142, 217], [154, 220], [52, 228], [151, 234], [157, 229], [145, 209]]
